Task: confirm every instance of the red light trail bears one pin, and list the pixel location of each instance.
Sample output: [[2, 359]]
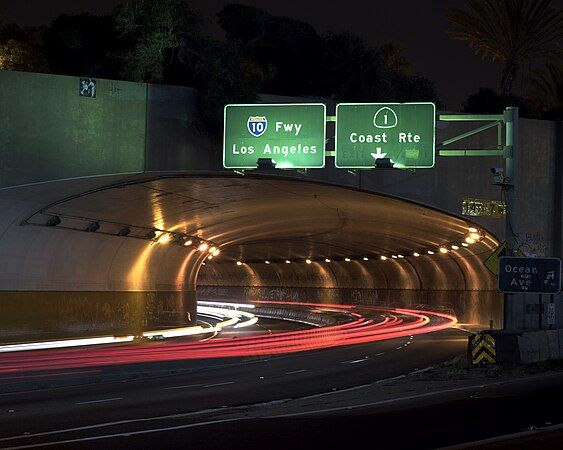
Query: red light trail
[[385, 324]]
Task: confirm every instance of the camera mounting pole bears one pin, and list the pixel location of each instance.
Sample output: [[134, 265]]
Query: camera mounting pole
[[511, 197], [509, 152]]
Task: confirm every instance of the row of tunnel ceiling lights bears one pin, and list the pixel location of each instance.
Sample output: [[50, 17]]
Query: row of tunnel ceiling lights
[[474, 235], [186, 241], [158, 236]]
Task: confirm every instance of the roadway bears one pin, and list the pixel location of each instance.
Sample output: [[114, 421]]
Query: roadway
[[221, 385]]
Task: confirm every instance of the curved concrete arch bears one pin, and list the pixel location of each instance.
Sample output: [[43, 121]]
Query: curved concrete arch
[[80, 282]]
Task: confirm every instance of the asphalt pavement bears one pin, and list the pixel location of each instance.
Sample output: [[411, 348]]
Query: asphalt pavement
[[40, 417]]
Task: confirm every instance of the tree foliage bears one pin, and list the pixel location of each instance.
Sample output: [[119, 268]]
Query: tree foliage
[[21, 48], [283, 52], [509, 31], [154, 35], [488, 101]]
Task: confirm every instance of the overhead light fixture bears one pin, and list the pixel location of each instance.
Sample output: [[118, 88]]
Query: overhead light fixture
[[470, 240], [266, 262], [203, 246], [347, 259], [216, 252], [210, 257], [327, 260], [266, 163], [455, 247], [430, 252], [287, 261], [384, 163], [239, 263], [465, 244], [93, 227], [308, 261], [475, 236], [443, 250], [164, 238], [400, 256], [472, 230], [53, 221], [383, 258], [416, 254], [212, 249], [188, 243], [203, 264], [125, 231], [394, 256], [365, 259]]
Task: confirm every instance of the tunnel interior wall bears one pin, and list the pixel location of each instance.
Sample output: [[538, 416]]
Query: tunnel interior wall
[[50, 315], [61, 283], [441, 287]]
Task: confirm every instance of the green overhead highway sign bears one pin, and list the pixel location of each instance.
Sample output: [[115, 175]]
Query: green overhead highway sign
[[402, 132], [291, 135]]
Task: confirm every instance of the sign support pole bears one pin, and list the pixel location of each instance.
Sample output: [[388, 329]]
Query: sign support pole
[[540, 311], [510, 193]]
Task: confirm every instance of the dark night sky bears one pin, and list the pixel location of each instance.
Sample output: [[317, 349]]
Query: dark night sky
[[417, 26]]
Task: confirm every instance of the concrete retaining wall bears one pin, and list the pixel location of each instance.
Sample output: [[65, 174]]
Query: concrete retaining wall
[[537, 346]]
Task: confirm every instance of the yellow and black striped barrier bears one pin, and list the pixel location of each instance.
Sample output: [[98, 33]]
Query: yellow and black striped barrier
[[483, 349]]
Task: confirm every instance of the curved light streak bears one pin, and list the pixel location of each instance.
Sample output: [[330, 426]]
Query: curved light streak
[[392, 323]]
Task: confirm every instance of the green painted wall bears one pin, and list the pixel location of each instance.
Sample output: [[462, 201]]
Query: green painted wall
[[48, 131]]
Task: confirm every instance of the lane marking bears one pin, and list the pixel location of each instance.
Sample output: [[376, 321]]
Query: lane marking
[[398, 377], [296, 371], [213, 410], [218, 384], [127, 433], [182, 387], [99, 401], [355, 361], [426, 369], [505, 437]]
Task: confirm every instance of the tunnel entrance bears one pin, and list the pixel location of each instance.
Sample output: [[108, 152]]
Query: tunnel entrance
[[278, 237]]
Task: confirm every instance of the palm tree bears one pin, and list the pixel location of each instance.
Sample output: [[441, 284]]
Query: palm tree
[[509, 31]]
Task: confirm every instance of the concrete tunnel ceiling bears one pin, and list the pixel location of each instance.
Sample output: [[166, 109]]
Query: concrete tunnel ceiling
[[258, 218]]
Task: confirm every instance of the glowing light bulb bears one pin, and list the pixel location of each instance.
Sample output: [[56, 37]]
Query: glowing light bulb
[[202, 247], [216, 252], [188, 242], [394, 256], [347, 259], [308, 261], [365, 259], [327, 260], [287, 261], [455, 247], [430, 252], [465, 244], [383, 258], [400, 256], [470, 240], [266, 262], [416, 254], [212, 249], [210, 257], [472, 230], [239, 263], [164, 238], [475, 236]]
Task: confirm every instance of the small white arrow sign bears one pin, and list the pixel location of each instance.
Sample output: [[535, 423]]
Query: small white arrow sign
[[378, 155]]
